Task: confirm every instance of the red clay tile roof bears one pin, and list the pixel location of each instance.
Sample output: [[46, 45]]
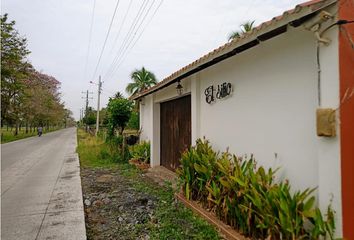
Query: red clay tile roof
[[287, 17]]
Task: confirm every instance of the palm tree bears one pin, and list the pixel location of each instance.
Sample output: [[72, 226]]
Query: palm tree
[[245, 27], [142, 79], [118, 95]]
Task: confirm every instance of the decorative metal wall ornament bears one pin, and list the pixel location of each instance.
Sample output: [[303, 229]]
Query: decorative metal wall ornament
[[209, 94], [223, 90]]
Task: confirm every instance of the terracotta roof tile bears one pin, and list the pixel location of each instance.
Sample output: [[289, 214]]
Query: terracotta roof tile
[[285, 18]]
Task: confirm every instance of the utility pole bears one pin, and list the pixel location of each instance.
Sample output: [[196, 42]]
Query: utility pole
[[98, 104], [87, 102], [80, 115]]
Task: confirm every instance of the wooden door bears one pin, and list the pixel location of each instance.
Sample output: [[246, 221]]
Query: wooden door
[[175, 130]]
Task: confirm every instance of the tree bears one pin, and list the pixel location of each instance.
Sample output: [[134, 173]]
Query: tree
[[14, 68], [41, 103], [119, 111], [245, 27], [27, 96], [68, 120], [134, 122], [90, 117], [103, 116], [118, 95], [142, 79]]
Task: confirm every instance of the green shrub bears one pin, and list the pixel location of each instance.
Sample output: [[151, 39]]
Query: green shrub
[[141, 151], [114, 140], [133, 122], [247, 197], [104, 154], [116, 151]]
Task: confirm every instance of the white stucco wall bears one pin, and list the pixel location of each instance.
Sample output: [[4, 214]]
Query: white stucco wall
[[271, 112], [272, 108], [329, 167], [146, 118]]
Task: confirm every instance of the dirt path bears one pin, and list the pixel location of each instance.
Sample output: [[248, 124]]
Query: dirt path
[[114, 209]]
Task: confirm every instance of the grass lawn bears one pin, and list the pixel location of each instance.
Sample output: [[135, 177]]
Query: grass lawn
[[8, 135], [174, 220]]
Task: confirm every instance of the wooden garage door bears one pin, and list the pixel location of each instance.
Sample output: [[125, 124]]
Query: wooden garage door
[[175, 130]]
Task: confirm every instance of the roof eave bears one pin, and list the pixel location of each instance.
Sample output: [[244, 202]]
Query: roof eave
[[259, 34]]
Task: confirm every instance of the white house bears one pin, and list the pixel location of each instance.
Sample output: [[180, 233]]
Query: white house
[[283, 92]]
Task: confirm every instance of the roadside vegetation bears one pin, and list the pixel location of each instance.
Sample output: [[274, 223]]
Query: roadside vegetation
[[164, 219], [248, 197], [7, 135], [29, 98]]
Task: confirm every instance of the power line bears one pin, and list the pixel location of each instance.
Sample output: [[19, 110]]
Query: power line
[[136, 20], [137, 29], [141, 33], [105, 41], [90, 37], [120, 28], [121, 57], [127, 36], [132, 26], [136, 40]]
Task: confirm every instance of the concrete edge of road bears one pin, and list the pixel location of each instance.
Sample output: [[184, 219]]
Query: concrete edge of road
[[65, 218]]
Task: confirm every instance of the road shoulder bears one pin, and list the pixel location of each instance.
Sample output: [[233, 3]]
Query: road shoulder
[[64, 218]]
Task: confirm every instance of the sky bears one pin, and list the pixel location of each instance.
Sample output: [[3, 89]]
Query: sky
[[66, 37]]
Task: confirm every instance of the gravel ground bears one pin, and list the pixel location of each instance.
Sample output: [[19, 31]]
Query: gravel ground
[[114, 209]]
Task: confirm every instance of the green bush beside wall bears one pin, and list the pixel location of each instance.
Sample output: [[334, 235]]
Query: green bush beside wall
[[247, 197]]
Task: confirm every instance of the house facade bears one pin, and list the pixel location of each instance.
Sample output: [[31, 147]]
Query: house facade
[[283, 92]]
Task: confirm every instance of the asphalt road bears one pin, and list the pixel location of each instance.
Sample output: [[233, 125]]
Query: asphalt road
[[41, 196]]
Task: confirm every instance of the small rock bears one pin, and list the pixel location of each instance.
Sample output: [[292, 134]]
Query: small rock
[[102, 196], [104, 178], [98, 203], [106, 201], [150, 202], [121, 208], [120, 219], [87, 202]]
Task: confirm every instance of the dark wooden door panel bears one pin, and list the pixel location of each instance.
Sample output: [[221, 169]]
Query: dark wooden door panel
[[175, 130]]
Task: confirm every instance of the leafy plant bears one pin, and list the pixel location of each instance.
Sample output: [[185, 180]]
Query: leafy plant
[[247, 197], [29, 98], [245, 27], [90, 117], [141, 151], [133, 122], [142, 79], [119, 111]]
